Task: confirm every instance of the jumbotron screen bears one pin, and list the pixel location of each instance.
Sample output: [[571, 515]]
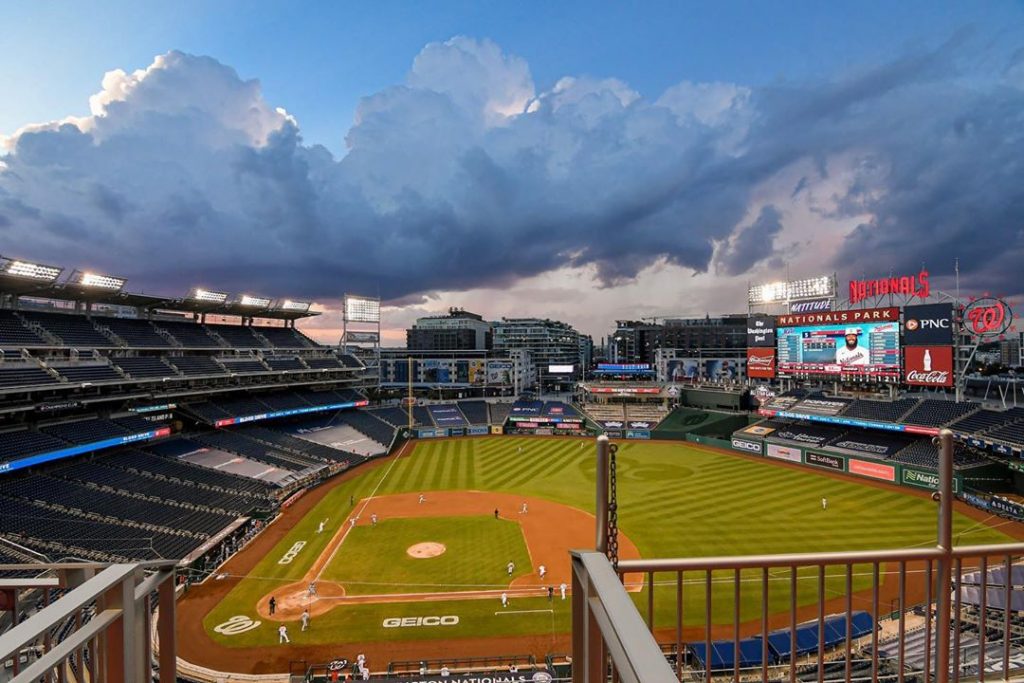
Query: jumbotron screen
[[852, 349]]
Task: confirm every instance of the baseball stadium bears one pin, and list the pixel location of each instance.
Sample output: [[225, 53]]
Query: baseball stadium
[[209, 494]]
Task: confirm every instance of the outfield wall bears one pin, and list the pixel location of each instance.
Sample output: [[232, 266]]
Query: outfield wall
[[749, 443]]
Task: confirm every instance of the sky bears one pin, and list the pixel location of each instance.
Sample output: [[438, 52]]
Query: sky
[[581, 161]]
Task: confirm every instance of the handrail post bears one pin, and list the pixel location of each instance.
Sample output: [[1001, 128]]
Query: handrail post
[[601, 504], [945, 547]]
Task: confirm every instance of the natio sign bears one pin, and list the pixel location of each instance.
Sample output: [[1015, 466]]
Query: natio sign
[[910, 285]]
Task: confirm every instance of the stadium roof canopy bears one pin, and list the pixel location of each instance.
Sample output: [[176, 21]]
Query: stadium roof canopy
[[35, 280]]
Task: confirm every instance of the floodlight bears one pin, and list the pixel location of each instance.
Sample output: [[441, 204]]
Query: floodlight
[[823, 287], [289, 305], [30, 271], [254, 301], [96, 281], [362, 309], [208, 296]]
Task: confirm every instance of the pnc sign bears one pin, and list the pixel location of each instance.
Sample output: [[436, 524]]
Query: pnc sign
[[987, 317], [910, 285]]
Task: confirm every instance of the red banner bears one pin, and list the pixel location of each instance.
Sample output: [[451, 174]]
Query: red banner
[[865, 315], [928, 366], [761, 363], [872, 469]]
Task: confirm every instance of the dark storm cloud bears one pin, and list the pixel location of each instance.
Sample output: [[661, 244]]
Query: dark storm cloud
[[464, 177]]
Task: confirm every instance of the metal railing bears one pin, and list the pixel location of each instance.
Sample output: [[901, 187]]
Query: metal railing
[[763, 602], [113, 645]]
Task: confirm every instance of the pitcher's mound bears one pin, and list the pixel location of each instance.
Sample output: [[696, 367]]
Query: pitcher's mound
[[422, 551]]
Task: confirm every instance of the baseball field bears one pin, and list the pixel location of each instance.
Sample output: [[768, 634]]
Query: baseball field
[[415, 550]]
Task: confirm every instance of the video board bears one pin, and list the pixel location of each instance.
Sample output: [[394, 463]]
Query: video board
[[860, 344]]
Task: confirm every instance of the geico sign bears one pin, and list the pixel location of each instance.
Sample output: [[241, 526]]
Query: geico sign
[[292, 552], [403, 622], [746, 446]]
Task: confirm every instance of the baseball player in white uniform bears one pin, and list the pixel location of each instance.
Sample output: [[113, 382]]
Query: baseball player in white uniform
[[511, 566], [824, 503], [373, 519], [312, 589], [422, 498], [305, 619], [542, 571], [282, 634], [852, 353], [320, 529], [524, 510], [562, 589], [504, 599]]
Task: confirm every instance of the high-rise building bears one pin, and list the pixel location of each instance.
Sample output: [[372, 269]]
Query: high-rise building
[[460, 330], [637, 342], [551, 344]]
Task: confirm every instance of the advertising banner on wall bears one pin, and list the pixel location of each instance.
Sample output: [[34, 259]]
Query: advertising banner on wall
[[831, 462], [477, 371], [436, 371], [789, 453], [928, 366], [761, 332], [761, 363], [925, 480], [875, 470], [683, 369], [931, 324], [754, 447], [499, 372]]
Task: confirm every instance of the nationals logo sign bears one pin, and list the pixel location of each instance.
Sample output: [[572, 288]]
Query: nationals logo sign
[[928, 366], [761, 363], [987, 317]]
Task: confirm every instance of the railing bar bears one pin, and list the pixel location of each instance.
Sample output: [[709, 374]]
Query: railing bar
[[984, 614], [821, 623], [902, 621], [874, 623], [679, 625], [849, 621], [928, 622], [764, 624], [792, 623], [736, 625], [1006, 619], [650, 602], [707, 626], [956, 629]]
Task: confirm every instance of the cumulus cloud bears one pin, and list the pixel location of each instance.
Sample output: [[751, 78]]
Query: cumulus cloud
[[465, 176]]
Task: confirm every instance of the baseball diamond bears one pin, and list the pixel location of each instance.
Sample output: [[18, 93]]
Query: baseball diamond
[[366, 582]]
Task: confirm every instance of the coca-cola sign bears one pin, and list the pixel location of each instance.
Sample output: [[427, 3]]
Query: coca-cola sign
[[987, 317], [928, 366], [909, 285]]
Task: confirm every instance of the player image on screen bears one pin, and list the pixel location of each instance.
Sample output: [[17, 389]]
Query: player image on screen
[[851, 352]]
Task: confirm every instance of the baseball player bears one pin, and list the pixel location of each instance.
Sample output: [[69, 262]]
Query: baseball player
[[852, 353], [273, 605], [511, 566], [551, 593], [373, 519], [422, 498], [352, 521], [312, 589], [305, 619], [542, 571], [524, 510], [282, 634], [562, 589], [824, 503], [504, 599], [495, 513], [320, 529]]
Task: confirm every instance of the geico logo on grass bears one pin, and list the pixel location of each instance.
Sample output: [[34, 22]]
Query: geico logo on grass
[[292, 552], [236, 625], [402, 622]]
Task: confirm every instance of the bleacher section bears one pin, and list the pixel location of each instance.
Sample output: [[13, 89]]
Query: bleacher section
[[500, 412], [881, 411], [134, 333], [169, 467], [285, 338], [446, 415], [363, 421], [984, 420], [239, 337], [808, 434], [23, 375], [85, 431], [475, 412], [923, 454], [71, 329], [284, 364], [188, 335], [144, 367], [24, 442], [247, 365], [932, 413], [323, 364], [13, 332], [258, 451], [196, 365], [873, 444], [273, 437], [88, 372]]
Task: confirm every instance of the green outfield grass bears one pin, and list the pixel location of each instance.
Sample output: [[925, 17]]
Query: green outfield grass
[[373, 559], [675, 500]]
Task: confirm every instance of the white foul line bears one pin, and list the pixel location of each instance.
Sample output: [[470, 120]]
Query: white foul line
[[524, 611]]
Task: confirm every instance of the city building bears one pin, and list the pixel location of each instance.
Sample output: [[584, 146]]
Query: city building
[[556, 348], [458, 374], [638, 342], [460, 330]]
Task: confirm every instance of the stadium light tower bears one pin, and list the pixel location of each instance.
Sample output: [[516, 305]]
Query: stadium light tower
[[29, 271], [207, 296], [96, 281], [250, 301]]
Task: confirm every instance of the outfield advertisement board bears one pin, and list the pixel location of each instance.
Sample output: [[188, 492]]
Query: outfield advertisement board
[[925, 479], [774, 450], [637, 434], [830, 462], [478, 431], [285, 413], [744, 446], [849, 422], [874, 470], [431, 433]]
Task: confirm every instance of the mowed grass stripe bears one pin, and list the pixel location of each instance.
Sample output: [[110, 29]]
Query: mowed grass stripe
[[526, 465]]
